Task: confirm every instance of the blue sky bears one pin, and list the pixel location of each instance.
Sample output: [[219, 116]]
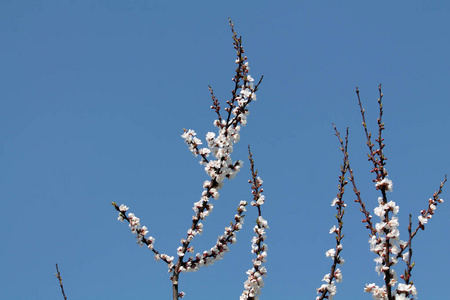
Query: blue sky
[[94, 98]]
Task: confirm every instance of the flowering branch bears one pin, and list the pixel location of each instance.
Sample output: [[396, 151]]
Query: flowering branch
[[425, 215], [254, 283], [384, 239], [408, 288], [217, 252], [141, 232], [328, 289], [218, 167], [221, 146]]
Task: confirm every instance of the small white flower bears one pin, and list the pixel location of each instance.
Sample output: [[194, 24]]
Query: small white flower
[[330, 253], [334, 202], [261, 200], [405, 256], [386, 184], [338, 275], [379, 210], [333, 229], [246, 92], [422, 220]]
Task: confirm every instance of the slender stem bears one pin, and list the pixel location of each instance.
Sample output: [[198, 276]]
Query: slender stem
[[425, 213], [363, 209], [408, 263], [58, 275], [340, 205], [368, 135], [381, 157]]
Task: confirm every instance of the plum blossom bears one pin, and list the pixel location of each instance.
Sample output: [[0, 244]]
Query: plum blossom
[[405, 290], [330, 253], [333, 229], [385, 184], [422, 220], [377, 292]]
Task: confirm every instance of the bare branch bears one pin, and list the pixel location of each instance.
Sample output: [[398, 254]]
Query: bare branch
[[58, 275]]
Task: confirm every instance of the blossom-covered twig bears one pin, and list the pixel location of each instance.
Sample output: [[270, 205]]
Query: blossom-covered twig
[[217, 252], [427, 214], [384, 236], [254, 282], [384, 239], [141, 232], [220, 146], [328, 289], [216, 159], [408, 289], [58, 275]]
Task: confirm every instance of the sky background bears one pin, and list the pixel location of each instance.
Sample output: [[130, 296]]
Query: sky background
[[94, 96]]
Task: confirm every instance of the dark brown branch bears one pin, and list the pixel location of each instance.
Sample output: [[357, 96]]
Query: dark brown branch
[[340, 205], [378, 159], [368, 134], [58, 275], [426, 214], [216, 104], [143, 239], [256, 191], [381, 157]]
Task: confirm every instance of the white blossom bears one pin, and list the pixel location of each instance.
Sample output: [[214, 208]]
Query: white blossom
[[330, 253], [423, 220], [386, 184]]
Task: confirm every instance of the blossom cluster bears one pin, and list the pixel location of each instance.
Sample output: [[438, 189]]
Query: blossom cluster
[[218, 165], [220, 148], [384, 235], [254, 282], [380, 293], [135, 226], [329, 289], [207, 258], [427, 214], [141, 232], [385, 243], [385, 184]]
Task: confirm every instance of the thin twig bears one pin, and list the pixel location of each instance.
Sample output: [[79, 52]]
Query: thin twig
[[58, 275], [254, 283], [378, 159], [425, 214], [328, 290]]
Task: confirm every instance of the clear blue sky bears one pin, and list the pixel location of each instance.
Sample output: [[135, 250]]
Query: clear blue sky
[[95, 94]]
